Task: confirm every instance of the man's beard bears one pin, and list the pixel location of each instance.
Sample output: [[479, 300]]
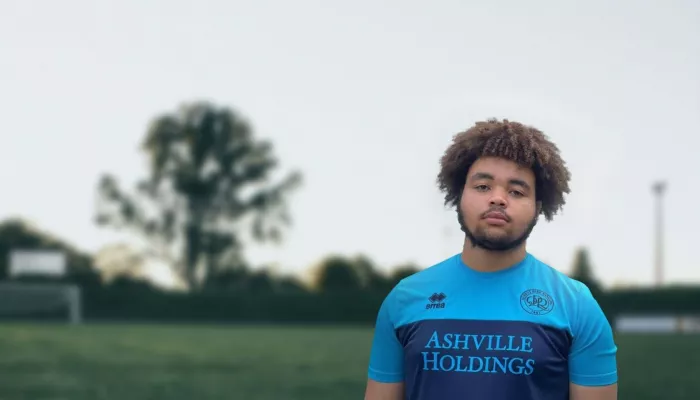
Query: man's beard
[[501, 244]]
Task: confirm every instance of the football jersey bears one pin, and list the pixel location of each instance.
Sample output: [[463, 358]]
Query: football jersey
[[525, 332]]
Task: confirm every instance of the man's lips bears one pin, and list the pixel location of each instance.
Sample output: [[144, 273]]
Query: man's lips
[[496, 218], [495, 215]]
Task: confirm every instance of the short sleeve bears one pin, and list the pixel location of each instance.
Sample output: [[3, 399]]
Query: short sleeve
[[386, 356], [593, 357]]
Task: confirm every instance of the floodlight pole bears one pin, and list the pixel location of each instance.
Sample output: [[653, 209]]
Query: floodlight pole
[[659, 188]]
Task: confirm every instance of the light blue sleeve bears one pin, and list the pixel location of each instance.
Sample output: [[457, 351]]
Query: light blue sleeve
[[593, 356], [386, 356]]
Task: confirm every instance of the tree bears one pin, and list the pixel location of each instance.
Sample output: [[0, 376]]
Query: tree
[[403, 271], [208, 191], [582, 271], [370, 277], [337, 274], [118, 260]]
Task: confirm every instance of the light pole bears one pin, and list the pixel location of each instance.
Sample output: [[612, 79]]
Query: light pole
[[659, 188]]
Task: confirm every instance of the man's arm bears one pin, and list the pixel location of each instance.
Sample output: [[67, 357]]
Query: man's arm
[[384, 391], [386, 370], [593, 356], [608, 392]]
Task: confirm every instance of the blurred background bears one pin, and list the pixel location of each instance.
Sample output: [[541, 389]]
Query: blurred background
[[211, 199]]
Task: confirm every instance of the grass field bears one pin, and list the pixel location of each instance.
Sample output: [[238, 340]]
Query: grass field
[[120, 362]]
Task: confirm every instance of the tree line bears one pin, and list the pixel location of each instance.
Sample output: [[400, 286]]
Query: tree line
[[333, 274], [343, 290]]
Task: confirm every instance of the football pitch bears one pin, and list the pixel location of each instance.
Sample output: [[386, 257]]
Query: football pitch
[[117, 362]]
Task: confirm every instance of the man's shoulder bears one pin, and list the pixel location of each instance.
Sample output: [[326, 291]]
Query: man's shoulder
[[415, 286], [565, 291], [436, 272], [555, 278]]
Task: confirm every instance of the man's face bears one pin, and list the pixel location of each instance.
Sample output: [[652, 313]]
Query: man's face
[[498, 209]]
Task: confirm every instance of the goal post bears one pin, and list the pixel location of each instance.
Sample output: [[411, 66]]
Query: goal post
[[28, 299]]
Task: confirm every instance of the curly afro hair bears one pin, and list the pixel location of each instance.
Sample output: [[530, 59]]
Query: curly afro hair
[[514, 141]]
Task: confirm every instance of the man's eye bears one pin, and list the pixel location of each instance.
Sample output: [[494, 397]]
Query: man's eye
[[516, 193], [481, 188]]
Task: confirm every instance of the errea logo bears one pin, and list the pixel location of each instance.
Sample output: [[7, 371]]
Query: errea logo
[[436, 301]]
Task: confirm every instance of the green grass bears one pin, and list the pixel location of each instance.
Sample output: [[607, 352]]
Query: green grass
[[119, 362]]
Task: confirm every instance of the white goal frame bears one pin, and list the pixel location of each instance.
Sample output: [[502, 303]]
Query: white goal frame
[[16, 294], [67, 295]]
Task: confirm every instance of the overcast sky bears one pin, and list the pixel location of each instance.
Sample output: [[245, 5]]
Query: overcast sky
[[363, 97]]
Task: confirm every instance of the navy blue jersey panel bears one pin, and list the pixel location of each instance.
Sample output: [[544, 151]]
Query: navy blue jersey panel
[[484, 359]]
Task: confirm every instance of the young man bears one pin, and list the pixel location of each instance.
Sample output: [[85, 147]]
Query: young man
[[494, 322]]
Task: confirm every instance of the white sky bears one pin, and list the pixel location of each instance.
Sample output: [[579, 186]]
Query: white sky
[[363, 97]]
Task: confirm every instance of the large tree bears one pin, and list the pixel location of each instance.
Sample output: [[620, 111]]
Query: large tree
[[209, 190]]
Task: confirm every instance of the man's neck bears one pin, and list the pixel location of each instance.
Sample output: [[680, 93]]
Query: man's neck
[[491, 261]]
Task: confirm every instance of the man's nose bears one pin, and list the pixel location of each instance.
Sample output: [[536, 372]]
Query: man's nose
[[498, 199]]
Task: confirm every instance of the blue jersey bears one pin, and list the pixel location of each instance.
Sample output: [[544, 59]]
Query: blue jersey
[[450, 332]]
